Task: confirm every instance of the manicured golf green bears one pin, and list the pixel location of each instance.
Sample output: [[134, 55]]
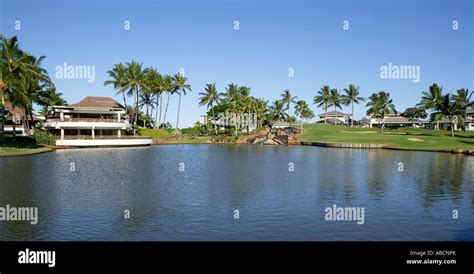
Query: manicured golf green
[[401, 138]]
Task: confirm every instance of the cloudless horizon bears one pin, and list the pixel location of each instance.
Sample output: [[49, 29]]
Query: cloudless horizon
[[273, 36]]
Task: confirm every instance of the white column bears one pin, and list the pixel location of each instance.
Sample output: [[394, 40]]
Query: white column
[[93, 133], [61, 116], [118, 117], [62, 134], [119, 132]]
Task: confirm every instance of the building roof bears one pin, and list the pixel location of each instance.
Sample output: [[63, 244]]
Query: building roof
[[470, 111], [98, 102], [334, 113], [331, 121]]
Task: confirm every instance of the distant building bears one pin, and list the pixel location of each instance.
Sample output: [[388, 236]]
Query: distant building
[[203, 120], [335, 118], [469, 123], [395, 119]]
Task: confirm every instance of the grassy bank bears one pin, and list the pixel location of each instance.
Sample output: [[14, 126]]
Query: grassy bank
[[21, 149], [155, 133], [401, 138]]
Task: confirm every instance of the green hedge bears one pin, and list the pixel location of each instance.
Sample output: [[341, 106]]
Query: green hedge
[[44, 138]]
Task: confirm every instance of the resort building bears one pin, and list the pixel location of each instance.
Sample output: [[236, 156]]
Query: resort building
[[91, 117], [395, 120], [94, 121], [335, 118]]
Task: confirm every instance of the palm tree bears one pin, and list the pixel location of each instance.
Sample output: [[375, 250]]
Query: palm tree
[[14, 64], [302, 110], [231, 94], [379, 105], [208, 98], [261, 109], [287, 98], [117, 75], [277, 111], [431, 100], [147, 100], [48, 98], [323, 99], [451, 108], [181, 88], [244, 91], [335, 101], [463, 99], [169, 88], [155, 83], [351, 97], [133, 82], [248, 106]]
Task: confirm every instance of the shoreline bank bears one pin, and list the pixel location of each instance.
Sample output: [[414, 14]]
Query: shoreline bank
[[383, 146], [27, 152], [207, 141]]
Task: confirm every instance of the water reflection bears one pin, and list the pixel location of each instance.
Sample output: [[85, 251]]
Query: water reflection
[[197, 202]]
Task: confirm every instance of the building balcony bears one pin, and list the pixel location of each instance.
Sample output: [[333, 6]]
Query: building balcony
[[87, 123]]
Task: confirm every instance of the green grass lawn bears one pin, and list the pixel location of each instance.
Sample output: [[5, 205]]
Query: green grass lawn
[[155, 133], [20, 149], [424, 139]]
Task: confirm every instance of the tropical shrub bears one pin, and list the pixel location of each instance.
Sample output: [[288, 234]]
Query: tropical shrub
[[43, 138]]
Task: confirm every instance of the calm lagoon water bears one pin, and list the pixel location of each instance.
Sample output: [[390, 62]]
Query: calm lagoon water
[[274, 204]]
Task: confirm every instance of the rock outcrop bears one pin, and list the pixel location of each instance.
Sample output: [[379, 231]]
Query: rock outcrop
[[273, 136]]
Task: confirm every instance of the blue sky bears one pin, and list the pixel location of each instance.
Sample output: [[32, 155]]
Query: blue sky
[[274, 36]]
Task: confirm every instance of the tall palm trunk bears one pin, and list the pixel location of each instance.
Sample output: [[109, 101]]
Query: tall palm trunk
[[2, 119], [31, 119], [124, 100], [214, 123], [13, 123], [179, 107], [383, 121], [136, 105], [352, 118], [161, 108], [325, 113], [166, 109], [26, 122], [452, 126], [157, 122]]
